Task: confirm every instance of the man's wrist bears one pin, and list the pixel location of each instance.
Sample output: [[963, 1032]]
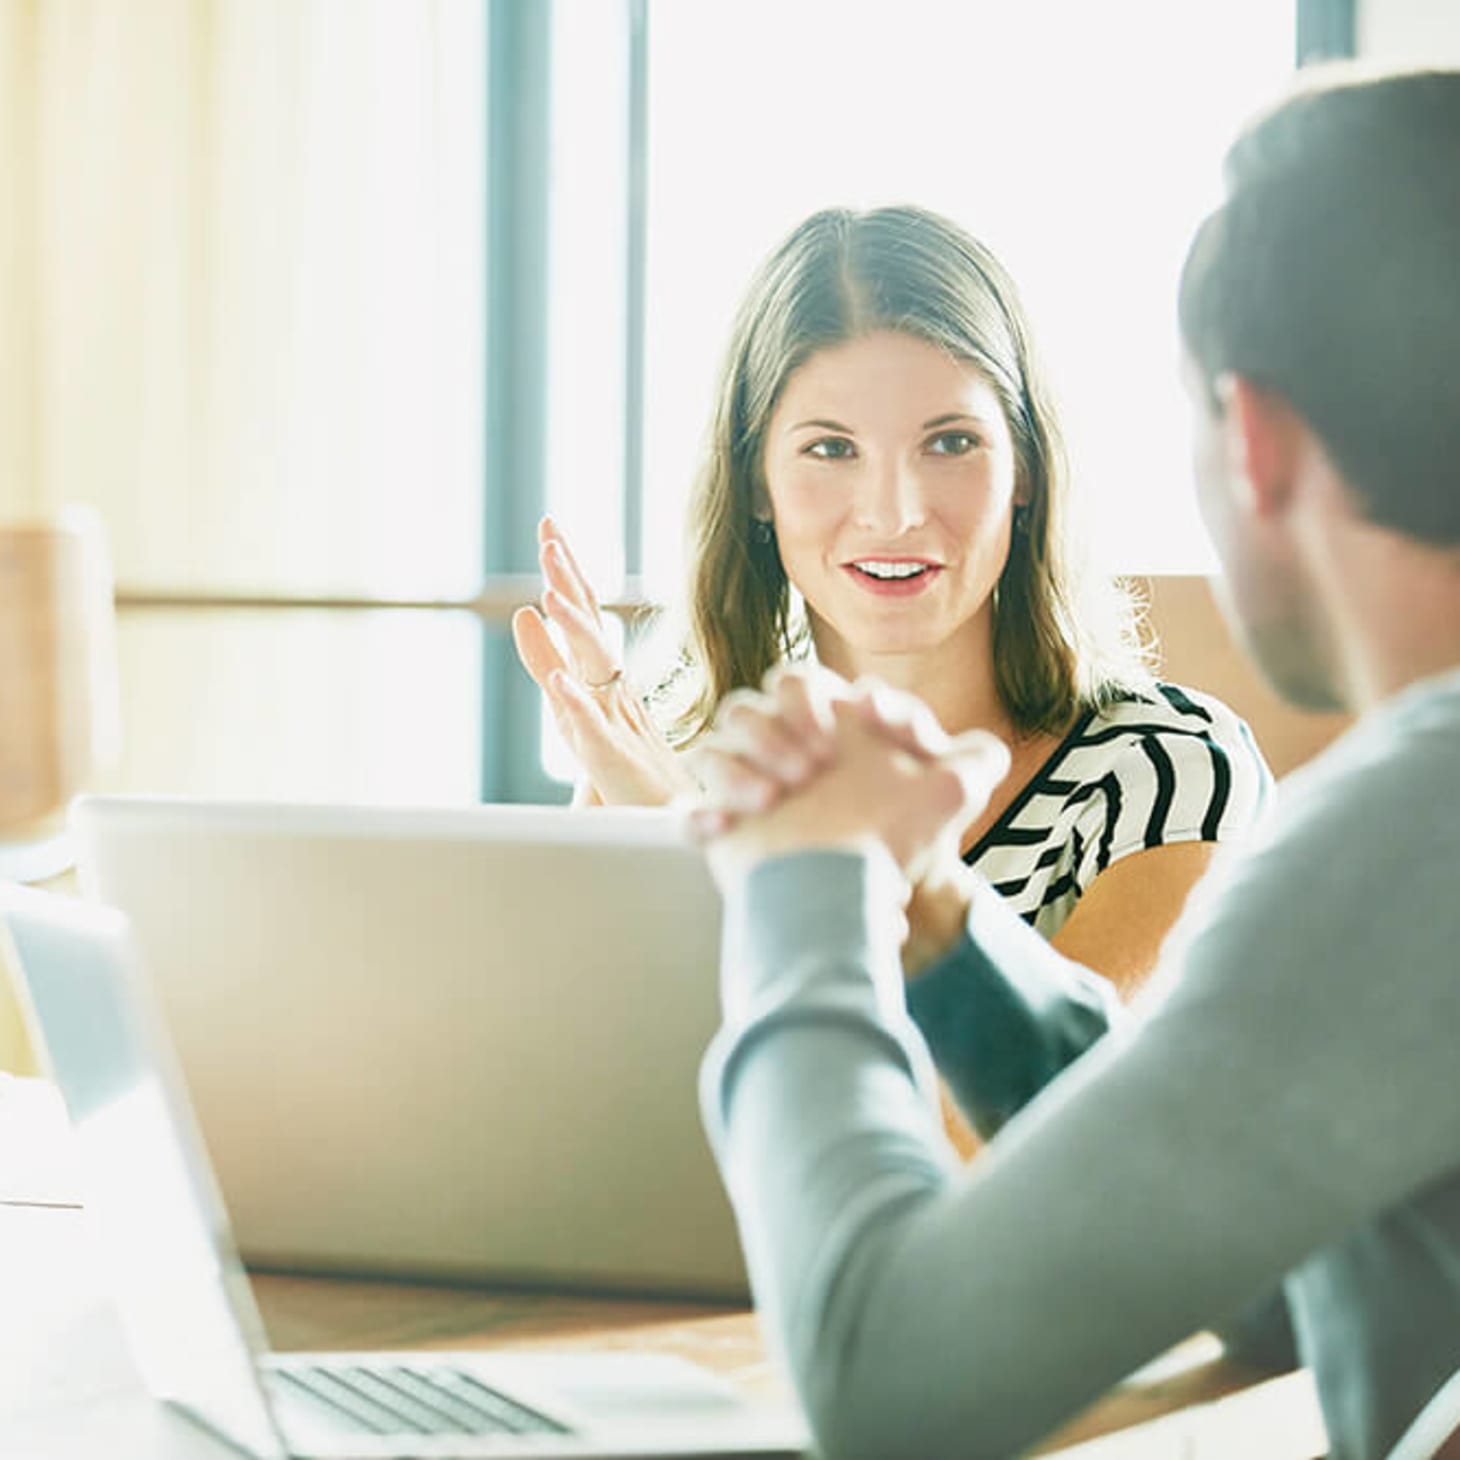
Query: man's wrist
[[813, 908]]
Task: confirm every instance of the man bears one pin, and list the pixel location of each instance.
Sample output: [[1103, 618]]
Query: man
[[1288, 1108]]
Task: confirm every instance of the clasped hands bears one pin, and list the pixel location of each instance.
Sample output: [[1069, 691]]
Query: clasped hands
[[812, 762]]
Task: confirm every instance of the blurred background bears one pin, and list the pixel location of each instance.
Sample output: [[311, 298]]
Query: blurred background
[[310, 308], [317, 304]]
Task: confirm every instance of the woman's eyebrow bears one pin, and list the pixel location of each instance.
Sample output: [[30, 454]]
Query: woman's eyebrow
[[946, 419]]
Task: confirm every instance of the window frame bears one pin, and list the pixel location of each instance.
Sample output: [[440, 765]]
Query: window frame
[[518, 112], [1327, 31]]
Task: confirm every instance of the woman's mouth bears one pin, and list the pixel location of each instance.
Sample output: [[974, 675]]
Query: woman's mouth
[[892, 577]]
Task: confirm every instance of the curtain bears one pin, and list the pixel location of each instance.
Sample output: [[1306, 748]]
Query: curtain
[[240, 285], [241, 297]]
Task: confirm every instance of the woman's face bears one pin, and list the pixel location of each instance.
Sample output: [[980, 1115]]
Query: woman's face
[[890, 471]]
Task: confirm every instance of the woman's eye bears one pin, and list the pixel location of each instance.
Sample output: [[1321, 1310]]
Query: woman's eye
[[953, 443], [831, 448]]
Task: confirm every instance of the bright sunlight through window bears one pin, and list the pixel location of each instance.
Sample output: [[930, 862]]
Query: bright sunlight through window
[[1081, 141]]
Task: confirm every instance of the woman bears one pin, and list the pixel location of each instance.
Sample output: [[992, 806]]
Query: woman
[[886, 489]]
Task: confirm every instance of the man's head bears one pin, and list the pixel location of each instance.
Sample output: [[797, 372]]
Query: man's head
[[1324, 295]]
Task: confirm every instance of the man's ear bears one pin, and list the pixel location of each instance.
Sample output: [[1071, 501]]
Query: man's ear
[[1264, 441]]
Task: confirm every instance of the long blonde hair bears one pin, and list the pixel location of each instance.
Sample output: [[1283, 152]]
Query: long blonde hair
[[1060, 640]]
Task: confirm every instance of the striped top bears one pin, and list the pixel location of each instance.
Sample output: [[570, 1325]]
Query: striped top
[[1152, 768]]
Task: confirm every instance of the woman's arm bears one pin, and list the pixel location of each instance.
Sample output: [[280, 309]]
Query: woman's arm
[[1003, 1012], [1119, 925], [998, 1040], [1155, 809]]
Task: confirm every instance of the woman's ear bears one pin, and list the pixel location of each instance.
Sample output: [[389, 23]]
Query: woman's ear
[[1023, 492], [762, 518], [760, 501]]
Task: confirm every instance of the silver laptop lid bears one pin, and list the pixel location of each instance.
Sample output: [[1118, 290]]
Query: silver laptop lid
[[438, 1043], [181, 1293]]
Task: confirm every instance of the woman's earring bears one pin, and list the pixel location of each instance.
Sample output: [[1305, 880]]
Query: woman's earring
[[1021, 519], [762, 532]]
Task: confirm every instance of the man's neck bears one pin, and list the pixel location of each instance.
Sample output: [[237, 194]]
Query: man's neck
[[1395, 606], [1415, 632]]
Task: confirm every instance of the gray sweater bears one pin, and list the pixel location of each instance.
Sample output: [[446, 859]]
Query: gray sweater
[[1288, 1108]]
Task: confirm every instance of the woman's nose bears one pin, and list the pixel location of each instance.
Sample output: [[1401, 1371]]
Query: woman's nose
[[889, 499]]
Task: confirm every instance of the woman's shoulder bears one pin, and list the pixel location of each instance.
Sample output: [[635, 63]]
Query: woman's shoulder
[[1166, 712], [1182, 757]]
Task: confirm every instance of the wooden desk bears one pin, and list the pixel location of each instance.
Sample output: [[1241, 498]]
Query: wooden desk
[[1193, 1403], [68, 1389]]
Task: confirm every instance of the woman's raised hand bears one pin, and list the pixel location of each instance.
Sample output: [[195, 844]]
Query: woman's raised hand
[[625, 757]]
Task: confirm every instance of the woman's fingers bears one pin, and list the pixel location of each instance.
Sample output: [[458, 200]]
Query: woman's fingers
[[626, 758], [535, 647], [753, 727], [732, 784], [569, 605], [903, 718], [628, 763], [589, 651], [979, 760], [561, 569], [811, 699], [764, 745], [804, 700], [580, 718], [705, 823]]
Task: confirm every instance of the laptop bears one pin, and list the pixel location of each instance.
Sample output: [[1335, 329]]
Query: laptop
[[446, 1044], [184, 1300]]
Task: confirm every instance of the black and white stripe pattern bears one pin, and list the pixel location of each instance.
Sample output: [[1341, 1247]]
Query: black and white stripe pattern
[[1168, 765]]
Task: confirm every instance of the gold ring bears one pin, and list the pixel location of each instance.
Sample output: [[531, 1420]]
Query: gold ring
[[603, 684]]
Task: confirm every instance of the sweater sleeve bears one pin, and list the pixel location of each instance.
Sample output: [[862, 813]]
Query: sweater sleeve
[[1003, 1013], [1171, 1175]]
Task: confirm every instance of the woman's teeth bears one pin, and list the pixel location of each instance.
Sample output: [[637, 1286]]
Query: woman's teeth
[[875, 569]]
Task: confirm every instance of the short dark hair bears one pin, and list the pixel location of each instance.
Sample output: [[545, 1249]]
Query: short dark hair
[[1331, 276]]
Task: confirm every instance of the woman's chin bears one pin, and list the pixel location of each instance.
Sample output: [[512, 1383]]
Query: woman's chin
[[867, 650]]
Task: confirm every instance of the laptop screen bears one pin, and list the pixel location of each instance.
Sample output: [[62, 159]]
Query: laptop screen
[[166, 1252]]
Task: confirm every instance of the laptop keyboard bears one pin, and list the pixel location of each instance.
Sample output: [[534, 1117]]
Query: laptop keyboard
[[412, 1399]]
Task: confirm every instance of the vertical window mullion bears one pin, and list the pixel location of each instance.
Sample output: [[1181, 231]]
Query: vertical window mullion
[[636, 284], [1327, 30], [518, 112]]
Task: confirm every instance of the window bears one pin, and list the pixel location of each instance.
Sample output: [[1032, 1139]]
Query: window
[[1081, 141], [257, 274], [383, 281]]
